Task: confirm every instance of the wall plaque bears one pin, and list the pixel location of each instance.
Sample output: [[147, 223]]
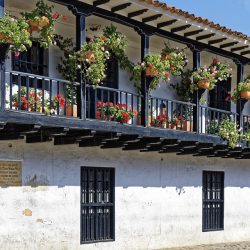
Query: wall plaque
[[10, 173]]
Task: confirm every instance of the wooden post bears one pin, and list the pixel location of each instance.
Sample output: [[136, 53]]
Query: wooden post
[[2, 67], [196, 98], [81, 90], [240, 103]]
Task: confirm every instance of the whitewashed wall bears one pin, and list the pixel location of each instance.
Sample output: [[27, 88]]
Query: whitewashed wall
[[158, 198]]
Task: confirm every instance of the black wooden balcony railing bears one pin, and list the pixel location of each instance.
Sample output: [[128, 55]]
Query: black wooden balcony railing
[[50, 96], [170, 114], [34, 93]]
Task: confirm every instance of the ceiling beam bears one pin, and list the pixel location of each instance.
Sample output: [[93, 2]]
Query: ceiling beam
[[245, 52], [165, 24], [239, 48], [100, 2], [220, 40], [120, 7], [192, 33], [180, 28], [151, 18], [226, 45], [199, 38], [137, 13]]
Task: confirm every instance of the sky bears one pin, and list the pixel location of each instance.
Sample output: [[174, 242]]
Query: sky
[[234, 14]]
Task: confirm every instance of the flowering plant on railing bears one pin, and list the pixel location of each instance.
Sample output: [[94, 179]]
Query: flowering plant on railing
[[202, 78], [221, 71], [177, 59], [155, 68], [115, 112], [14, 32], [228, 130], [161, 121], [246, 136], [42, 20]]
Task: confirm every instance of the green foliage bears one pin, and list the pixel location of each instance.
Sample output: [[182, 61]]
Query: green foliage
[[228, 131], [242, 86], [221, 71], [14, 32]]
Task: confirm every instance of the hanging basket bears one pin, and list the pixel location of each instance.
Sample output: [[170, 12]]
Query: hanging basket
[[90, 56], [203, 84], [166, 57], [7, 39], [34, 25], [245, 94], [151, 72], [44, 22]]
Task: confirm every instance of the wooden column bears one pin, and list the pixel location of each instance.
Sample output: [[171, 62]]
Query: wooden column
[[2, 65], [197, 94], [144, 81], [81, 89], [240, 103]]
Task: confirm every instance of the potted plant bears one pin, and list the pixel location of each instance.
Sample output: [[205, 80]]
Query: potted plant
[[176, 57], [42, 21], [105, 111], [123, 113], [161, 121], [242, 91], [202, 79], [228, 131], [154, 68], [221, 71], [14, 35]]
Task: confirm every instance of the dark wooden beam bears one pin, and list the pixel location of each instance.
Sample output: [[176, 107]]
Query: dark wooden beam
[[180, 28], [192, 33], [151, 18], [199, 38], [100, 2], [120, 7], [245, 53], [137, 13], [239, 48], [215, 41], [165, 24], [226, 45], [118, 141], [139, 143]]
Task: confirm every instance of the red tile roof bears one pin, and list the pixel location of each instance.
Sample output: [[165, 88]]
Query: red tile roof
[[198, 19]]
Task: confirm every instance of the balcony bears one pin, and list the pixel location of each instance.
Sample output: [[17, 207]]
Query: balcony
[[40, 109]]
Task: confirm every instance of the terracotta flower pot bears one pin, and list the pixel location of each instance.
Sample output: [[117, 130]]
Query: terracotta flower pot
[[151, 72], [34, 25], [187, 126], [5, 38], [203, 84], [44, 22], [166, 57], [245, 94], [70, 112], [90, 56]]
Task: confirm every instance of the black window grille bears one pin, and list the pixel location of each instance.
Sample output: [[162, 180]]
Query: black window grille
[[33, 61], [218, 97], [213, 201], [97, 204]]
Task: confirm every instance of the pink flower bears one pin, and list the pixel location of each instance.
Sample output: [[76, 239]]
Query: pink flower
[[17, 53]]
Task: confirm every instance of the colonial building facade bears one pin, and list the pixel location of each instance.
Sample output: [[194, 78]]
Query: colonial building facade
[[77, 174]]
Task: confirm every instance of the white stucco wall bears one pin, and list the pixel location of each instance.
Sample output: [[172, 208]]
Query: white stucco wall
[[158, 198]]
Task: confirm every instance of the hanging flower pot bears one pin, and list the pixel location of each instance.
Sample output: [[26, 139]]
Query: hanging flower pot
[[151, 72], [203, 84], [6, 38], [34, 25], [44, 22], [165, 57], [245, 94], [90, 56]]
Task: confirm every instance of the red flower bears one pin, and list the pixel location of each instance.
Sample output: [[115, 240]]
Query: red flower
[[172, 69], [64, 18], [55, 16], [179, 117], [215, 61], [166, 74], [150, 65], [98, 114], [104, 38]]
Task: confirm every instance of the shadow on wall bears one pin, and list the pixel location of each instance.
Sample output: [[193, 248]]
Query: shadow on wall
[[44, 164]]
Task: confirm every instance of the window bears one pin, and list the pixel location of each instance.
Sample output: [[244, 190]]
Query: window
[[213, 201], [218, 96], [33, 61], [97, 204]]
